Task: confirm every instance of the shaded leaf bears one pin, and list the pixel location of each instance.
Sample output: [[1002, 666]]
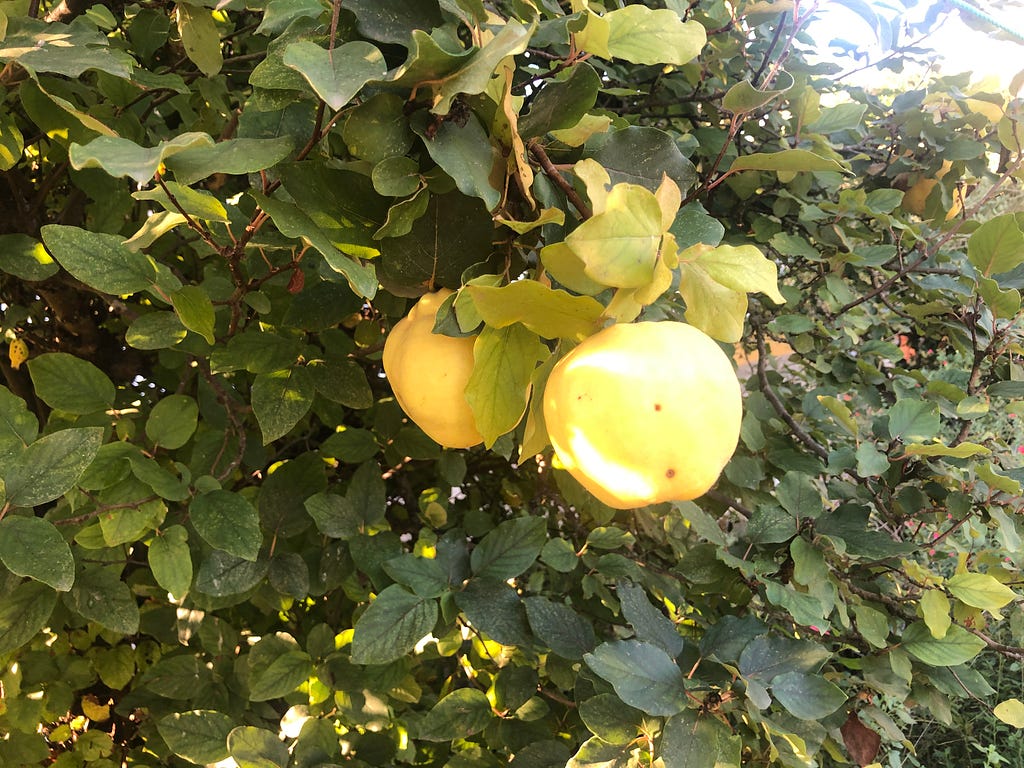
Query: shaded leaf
[[643, 675]]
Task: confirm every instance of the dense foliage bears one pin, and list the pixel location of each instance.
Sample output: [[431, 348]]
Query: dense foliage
[[220, 537]]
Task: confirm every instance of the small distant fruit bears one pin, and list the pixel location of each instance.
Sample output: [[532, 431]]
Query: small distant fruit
[[645, 412], [429, 372]]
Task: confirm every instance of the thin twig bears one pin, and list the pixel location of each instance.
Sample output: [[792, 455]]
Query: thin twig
[[552, 173], [762, 376]]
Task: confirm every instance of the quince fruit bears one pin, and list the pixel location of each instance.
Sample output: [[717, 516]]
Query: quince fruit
[[643, 413], [915, 198], [428, 373]]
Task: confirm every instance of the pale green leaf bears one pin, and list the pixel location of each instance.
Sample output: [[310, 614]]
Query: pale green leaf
[[123, 157], [997, 245], [620, 246], [740, 268], [980, 590], [792, 160], [337, 75], [957, 646], [642, 35], [195, 310], [549, 313], [935, 612], [499, 387], [200, 37]]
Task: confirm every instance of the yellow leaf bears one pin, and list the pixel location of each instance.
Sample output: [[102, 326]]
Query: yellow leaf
[[1010, 712], [18, 353]]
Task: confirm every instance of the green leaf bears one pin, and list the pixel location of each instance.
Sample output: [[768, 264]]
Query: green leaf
[[465, 153], [23, 612], [458, 715], [171, 561], [562, 102], [99, 595], [560, 628], [744, 97], [33, 547], [980, 590], [34, 45], [26, 258], [228, 522], [650, 624], [841, 412], [293, 222], [1010, 712], [808, 697], [509, 549], [452, 235], [18, 427], [692, 740], [123, 157], [935, 612], [115, 666], [620, 246], [173, 421], [957, 646], [997, 246], [609, 719], [493, 607], [873, 625], [913, 421], [280, 400], [499, 387], [337, 75], [641, 155], [547, 312], [252, 747], [1004, 304], [197, 203], [378, 130], [335, 515], [12, 143], [194, 308], [51, 466], [100, 261], [791, 160], [233, 157], [281, 677], [595, 753], [643, 36], [799, 496], [199, 37], [70, 384], [222, 574], [842, 117], [392, 626], [765, 657], [199, 736], [474, 75], [871, 462], [643, 676], [155, 330]]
